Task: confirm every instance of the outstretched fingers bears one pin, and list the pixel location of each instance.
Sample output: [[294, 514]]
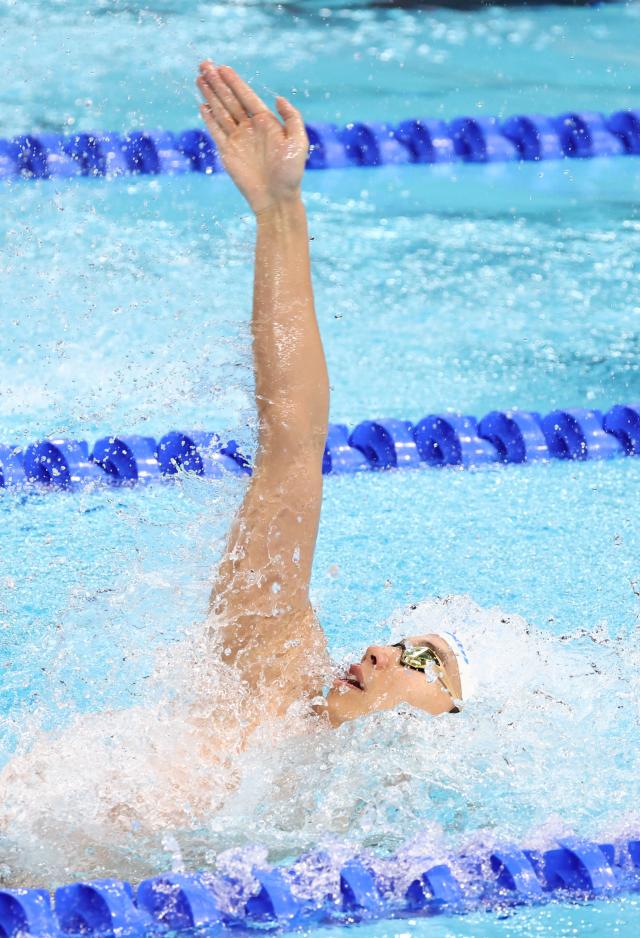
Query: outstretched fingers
[[293, 122], [214, 128], [215, 106], [224, 94], [250, 102]]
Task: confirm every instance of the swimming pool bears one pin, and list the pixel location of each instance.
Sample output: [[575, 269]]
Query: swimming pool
[[466, 287]]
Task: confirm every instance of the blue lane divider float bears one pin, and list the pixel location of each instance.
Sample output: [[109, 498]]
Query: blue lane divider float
[[534, 136], [624, 423], [27, 912], [469, 139], [452, 440], [386, 444], [579, 434], [202, 453], [11, 466], [515, 873], [339, 455], [436, 889], [101, 907], [275, 901], [438, 440], [517, 435], [127, 458], [505, 876], [481, 140], [59, 462], [178, 901]]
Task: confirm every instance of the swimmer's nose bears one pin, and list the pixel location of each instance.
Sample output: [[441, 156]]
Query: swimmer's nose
[[379, 657]]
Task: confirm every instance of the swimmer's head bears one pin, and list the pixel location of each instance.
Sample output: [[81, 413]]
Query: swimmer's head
[[430, 663], [419, 670]]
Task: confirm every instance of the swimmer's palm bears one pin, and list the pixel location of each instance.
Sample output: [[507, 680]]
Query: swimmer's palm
[[265, 158]]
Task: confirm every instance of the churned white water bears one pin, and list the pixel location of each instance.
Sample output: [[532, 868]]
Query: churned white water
[[128, 792]]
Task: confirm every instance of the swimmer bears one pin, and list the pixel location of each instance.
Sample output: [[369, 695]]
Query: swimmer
[[269, 631], [98, 794]]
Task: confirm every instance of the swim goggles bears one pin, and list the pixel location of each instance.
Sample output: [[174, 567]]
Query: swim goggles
[[421, 658]]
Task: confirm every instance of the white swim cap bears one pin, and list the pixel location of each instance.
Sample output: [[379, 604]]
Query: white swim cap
[[468, 675], [445, 618]]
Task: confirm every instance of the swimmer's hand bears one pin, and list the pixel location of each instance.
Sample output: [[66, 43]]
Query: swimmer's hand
[[264, 157]]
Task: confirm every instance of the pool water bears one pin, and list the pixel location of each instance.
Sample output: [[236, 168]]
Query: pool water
[[124, 307], [596, 920], [488, 286]]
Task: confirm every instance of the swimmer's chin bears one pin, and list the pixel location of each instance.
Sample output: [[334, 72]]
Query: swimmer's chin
[[345, 702]]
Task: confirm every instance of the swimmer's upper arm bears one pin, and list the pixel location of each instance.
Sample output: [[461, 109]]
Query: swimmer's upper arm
[[266, 567], [261, 593]]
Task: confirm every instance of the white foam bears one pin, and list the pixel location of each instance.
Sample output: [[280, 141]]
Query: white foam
[[129, 793]]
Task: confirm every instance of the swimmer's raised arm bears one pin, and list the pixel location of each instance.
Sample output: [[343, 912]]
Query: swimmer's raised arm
[[262, 585]]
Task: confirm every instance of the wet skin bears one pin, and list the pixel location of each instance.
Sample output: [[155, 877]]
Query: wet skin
[[261, 591], [380, 682]]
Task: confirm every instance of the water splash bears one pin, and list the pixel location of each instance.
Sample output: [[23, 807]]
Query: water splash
[[132, 792]]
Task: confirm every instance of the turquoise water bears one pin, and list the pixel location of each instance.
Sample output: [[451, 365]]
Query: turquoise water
[[469, 289], [124, 306], [597, 920], [475, 287]]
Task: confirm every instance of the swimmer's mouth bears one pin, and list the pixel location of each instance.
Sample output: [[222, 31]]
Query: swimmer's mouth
[[353, 678]]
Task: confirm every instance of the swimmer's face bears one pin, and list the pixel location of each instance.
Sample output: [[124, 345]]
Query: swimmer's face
[[380, 682]]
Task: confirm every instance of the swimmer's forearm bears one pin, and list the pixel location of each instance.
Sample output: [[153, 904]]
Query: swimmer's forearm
[[292, 387]]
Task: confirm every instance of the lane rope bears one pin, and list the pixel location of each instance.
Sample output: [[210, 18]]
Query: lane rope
[[573, 134], [319, 889], [437, 440]]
